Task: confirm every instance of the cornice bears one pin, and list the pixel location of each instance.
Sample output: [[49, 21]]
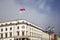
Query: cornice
[[19, 22]]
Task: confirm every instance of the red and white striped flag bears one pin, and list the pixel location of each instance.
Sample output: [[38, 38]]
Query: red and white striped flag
[[22, 10]]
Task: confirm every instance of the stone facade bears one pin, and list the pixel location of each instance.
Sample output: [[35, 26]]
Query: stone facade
[[20, 30]]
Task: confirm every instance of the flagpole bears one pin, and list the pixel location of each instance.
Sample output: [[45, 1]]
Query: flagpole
[[22, 12]]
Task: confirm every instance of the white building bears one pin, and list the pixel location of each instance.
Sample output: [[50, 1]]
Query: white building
[[58, 38], [45, 36], [20, 30]]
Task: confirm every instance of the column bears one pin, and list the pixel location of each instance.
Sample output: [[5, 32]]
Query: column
[[25, 39], [21, 38]]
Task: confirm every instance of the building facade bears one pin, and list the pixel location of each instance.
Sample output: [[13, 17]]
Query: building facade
[[58, 37], [20, 30], [45, 36]]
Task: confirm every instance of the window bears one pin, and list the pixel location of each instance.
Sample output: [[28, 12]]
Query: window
[[16, 39], [1, 30], [30, 33], [6, 29], [1, 35], [5, 34], [22, 33], [10, 34], [18, 27], [10, 39], [17, 33], [23, 27], [10, 28]]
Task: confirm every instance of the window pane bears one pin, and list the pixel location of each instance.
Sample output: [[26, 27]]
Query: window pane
[[22, 33], [6, 29], [16, 39], [10, 28], [17, 33], [1, 35], [10, 34], [5, 34], [18, 27], [10, 39], [1, 29]]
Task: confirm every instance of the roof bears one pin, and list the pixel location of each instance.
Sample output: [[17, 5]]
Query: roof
[[19, 22]]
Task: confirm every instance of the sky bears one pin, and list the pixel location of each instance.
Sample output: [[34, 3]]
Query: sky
[[42, 13]]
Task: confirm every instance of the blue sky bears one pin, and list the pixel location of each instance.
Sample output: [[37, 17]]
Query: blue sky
[[40, 12]]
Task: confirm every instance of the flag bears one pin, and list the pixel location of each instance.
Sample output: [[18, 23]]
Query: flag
[[22, 10]]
